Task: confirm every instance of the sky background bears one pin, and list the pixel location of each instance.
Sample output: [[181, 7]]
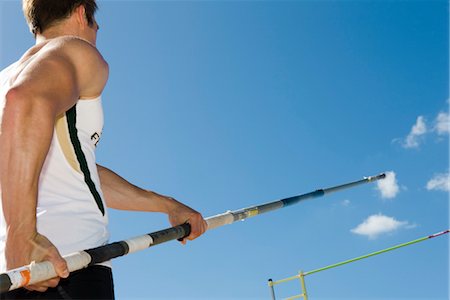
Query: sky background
[[227, 104]]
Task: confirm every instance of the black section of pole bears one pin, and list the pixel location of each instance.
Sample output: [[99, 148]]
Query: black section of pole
[[172, 233], [107, 252], [113, 250], [5, 283]]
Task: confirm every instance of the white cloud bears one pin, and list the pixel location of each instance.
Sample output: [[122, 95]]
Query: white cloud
[[440, 182], [413, 138], [378, 224], [442, 123], [388, 186]]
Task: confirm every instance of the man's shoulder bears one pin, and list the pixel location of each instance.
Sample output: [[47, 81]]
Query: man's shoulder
[[77, 49], [91, 69], [71, 58]]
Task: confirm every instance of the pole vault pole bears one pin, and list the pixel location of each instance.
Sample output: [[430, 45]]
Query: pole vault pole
[[37, 272]]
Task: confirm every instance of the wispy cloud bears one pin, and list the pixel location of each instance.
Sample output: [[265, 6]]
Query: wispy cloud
[[440, 127], [388, 187], [417, 131], [376, 225], [442, 124], [345, 202], [440, 182]]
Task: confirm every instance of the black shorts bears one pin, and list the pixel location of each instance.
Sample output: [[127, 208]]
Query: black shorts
[[95, 282]]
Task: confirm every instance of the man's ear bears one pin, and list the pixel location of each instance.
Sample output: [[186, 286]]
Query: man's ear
[[80, 14]]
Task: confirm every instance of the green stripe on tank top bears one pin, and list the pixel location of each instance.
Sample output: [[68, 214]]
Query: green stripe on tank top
[[71, 115]]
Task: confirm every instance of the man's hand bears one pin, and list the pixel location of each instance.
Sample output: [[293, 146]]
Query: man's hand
[[181, 214], [36, 248]]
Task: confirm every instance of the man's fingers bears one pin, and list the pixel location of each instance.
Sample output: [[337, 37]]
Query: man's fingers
[[51, 283], [59, 263], [44, 285], [183, 215], [35, 287], [198, 227]]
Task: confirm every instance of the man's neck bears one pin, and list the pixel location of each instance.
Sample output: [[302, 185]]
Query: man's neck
[[54, 32]]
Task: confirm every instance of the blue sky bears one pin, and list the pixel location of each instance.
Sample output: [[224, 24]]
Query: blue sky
[[227, 104]]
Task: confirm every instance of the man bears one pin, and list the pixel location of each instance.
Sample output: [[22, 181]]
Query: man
[[54, 196]]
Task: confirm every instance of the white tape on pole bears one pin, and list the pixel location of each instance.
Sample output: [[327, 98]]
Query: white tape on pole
[[220, 220], [139, 243], [41, 271], [19, 277], [77, 260], [38, 272]]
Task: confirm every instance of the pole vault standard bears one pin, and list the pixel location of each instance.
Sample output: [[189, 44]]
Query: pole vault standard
[[37, 272], [302, 274]]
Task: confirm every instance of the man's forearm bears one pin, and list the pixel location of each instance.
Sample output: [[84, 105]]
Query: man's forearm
[[121, 194], [23, 147]]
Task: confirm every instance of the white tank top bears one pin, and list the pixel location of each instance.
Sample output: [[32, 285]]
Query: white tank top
[[71, 211]]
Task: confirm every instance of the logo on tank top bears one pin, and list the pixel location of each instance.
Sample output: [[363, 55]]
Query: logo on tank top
[[95, 138]]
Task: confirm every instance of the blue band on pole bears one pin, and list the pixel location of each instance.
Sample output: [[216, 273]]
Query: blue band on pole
[[296, 199]]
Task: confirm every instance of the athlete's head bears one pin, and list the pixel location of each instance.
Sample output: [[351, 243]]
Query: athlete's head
[[43, 14]]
